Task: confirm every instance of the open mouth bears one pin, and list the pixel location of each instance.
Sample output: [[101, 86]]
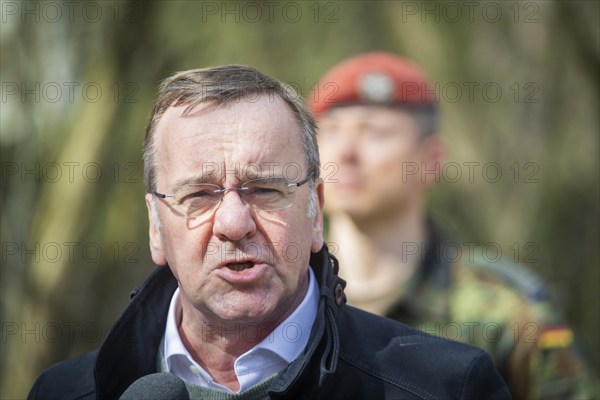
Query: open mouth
[[241, 266]]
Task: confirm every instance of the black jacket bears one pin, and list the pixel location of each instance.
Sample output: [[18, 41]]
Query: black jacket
[[351, 354]]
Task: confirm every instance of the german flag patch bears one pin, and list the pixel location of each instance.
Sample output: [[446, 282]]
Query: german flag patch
[[556, 337]]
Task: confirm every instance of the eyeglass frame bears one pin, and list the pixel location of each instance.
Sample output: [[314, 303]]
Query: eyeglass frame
[[237, 189]]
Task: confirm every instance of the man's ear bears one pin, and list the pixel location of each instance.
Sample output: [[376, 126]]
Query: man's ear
[[434, 154], [156, 244], [317, 237]]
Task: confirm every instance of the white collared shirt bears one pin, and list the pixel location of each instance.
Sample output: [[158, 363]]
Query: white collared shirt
[[271, 355]]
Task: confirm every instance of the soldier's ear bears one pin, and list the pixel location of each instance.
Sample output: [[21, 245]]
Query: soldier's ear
[[434, 156]]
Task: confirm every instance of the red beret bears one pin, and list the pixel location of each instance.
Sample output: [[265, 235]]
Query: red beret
[[373, 78]]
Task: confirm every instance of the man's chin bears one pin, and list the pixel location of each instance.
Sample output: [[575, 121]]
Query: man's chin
[[242, 310]]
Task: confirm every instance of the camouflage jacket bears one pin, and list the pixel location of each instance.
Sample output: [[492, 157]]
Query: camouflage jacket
[[504, 309]]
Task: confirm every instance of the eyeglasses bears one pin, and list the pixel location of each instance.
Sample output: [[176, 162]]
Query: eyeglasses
[[264, 194]]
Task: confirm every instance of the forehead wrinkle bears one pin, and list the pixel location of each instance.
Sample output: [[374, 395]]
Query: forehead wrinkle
[[209, 177], [230, 142]]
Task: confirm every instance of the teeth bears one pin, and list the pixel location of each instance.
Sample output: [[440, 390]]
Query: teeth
[[240, 266]]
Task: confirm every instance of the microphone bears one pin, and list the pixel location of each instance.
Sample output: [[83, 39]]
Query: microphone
[[162, 385]]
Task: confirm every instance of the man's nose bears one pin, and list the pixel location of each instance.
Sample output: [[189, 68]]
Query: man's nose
[[233, 219]]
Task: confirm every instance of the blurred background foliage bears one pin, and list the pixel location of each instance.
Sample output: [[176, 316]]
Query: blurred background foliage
[[78, 83]]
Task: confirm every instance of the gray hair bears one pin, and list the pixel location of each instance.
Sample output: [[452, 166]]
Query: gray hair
[[222, 85]]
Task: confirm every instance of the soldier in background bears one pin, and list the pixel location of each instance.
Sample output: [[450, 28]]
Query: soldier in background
[[377, 122]]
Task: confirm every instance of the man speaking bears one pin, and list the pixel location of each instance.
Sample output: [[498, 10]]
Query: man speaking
[[245, 302]]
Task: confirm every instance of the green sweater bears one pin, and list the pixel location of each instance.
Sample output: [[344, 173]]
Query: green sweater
[[256, 392]]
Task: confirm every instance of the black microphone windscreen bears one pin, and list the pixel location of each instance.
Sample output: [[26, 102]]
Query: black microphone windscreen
[[162, 385]]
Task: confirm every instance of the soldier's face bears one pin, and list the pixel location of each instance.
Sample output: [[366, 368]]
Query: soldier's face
[[373, 158]]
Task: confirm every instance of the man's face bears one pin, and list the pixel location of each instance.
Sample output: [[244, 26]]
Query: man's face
[[372, 159], [239, 264]]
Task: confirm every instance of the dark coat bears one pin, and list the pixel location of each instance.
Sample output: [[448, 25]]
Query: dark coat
[[351, 354]]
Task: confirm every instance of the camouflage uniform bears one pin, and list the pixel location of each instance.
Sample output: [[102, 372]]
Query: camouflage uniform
[[504, 309]]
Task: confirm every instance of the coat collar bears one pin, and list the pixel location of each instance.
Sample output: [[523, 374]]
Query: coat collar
[[130, 349]]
